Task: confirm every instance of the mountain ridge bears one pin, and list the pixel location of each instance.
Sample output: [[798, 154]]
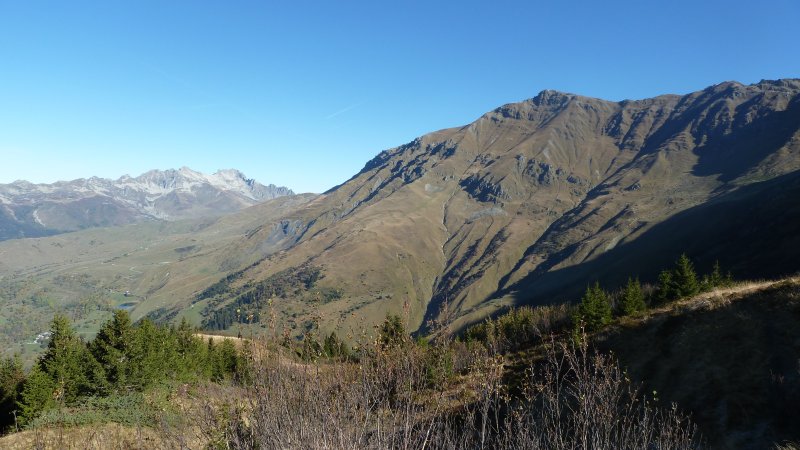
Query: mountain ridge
[[525, 205], [469, 218], [30, 210]]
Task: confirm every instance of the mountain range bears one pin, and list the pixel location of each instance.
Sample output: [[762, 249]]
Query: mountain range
[[31, 210], [526, 205]]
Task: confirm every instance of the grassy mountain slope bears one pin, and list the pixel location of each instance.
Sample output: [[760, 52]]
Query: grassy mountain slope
[[512, 207]]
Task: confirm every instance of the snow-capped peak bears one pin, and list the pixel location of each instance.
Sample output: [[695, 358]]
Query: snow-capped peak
[[191, 193]]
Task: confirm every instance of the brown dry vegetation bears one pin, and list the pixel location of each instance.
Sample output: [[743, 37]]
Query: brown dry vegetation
[[96, 437], [576, 400], [562, 397], [394, 398]]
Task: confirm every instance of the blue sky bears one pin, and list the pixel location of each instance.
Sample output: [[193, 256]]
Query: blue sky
[[302, 93]]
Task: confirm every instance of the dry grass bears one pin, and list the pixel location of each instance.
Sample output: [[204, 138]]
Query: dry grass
[[218, 338], [569, 398], [386, 401], [788, 446], [95, 437], [707, 301]]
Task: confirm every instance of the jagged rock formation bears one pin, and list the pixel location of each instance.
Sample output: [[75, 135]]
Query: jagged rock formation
[[30, 210]]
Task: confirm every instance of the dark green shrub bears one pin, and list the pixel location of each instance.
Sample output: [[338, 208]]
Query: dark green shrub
[[684, 278], [594, 311], [12, 377], [392, 332], [632, 299]]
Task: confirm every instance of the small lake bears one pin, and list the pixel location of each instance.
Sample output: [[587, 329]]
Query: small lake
[[127, 306]]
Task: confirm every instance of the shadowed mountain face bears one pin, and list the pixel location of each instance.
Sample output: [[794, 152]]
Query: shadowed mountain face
[[730, 360], [31, 210], [535, 199]]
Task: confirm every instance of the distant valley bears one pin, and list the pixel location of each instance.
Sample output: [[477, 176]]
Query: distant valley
[[90, 273]]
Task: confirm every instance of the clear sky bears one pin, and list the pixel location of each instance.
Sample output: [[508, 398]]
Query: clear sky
[[302, 93]]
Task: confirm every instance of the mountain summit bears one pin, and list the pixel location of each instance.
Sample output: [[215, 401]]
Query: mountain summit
[[535, 199], [29, 210]]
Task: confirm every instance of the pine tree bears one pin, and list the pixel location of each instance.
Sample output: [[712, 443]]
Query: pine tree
[[311, 348], [666, 287], [227, 360], [632, 298], [685, 278], [68, 363], [705, 284], [37, 395], [716, 279], [594, 311], [193, 357], [333, 347], [155, 356], [113, 349], [12, 377]]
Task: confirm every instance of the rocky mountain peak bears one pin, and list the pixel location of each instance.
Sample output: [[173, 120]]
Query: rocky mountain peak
[[786, 84], [549, 97], [37, 209]]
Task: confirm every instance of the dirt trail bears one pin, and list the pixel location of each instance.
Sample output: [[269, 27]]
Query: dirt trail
[[219, 338], [717, 297], [743, 288]]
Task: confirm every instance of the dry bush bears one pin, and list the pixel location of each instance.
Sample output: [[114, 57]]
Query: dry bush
[[579, 399], [573, 400], [380, 403], [521, 327]]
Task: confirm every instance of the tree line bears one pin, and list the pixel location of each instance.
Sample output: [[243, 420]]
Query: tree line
[[122, 358], [249, 300], [597, 307], [595, 310]]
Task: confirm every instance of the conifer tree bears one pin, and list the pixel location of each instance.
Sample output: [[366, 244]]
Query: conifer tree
[[155, 356], [229, 357], [334, 347], [717, 279], [193, 356], [113, 349], [12, 377], [213, 360], [594, 310], [226, 360], [311, 347], [68, 363], [666, 287], [632, 297], [685, 278], [37, 395]]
